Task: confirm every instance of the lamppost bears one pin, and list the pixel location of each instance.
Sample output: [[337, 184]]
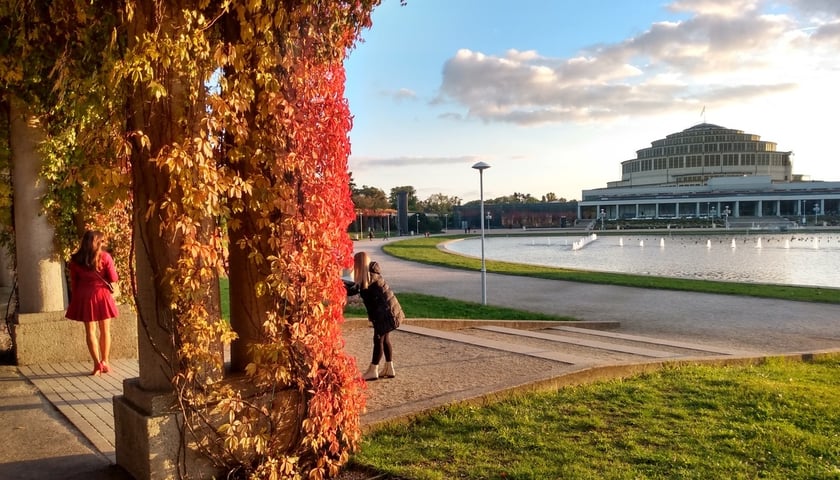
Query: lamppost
[[802, 210], [713, 216], [445, 222], [488, 217], [726, 213], [389, 226], [481, 167], [418, 223], [816, 212], [603, 217]]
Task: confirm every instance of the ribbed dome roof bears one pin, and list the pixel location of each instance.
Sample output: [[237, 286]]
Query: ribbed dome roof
[[705, 126]]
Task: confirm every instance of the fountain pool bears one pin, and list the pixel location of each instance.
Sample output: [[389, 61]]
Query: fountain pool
[[806, 259]]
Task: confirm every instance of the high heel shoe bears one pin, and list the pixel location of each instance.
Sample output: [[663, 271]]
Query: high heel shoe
[[97, 370], [104, 367]]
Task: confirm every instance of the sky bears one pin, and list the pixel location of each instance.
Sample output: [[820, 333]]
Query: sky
[[555, 94]]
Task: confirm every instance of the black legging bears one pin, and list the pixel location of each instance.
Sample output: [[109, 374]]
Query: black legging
[[381, 343]]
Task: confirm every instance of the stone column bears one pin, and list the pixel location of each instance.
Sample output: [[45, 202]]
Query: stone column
[[41, 332], [41, 284]]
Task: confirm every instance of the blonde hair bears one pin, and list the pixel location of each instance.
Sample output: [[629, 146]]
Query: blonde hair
[[361, 269]]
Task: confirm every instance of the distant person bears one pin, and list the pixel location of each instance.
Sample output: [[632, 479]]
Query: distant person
[[92, 274], [383, 309]]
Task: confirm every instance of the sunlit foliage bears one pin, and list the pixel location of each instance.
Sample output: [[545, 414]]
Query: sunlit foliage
[[200, 128]]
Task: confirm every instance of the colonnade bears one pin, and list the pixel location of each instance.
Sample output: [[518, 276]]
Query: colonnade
[[716, 208]]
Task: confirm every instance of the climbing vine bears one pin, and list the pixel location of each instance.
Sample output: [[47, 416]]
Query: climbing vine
[[221, 128], [53, 62]]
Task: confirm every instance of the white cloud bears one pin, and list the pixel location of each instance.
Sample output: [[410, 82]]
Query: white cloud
[[725, 51], [724, 8], [363, 163], [817, 8], [404, 94]]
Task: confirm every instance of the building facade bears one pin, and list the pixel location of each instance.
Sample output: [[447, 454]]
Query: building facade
[[708, 170]]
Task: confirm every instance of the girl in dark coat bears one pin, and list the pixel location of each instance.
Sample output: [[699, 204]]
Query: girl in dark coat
[[383, 309]]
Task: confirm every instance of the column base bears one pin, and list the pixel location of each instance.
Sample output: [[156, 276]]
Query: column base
[[50, 338], [148, 437]]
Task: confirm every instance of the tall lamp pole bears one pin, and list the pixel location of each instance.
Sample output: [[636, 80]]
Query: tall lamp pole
[[481, 167]]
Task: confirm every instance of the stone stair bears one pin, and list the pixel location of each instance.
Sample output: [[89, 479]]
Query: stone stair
[[574, 345]]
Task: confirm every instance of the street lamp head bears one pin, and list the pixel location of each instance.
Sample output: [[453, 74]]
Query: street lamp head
[[480, 166]]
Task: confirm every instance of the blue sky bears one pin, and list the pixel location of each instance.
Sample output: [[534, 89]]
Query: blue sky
[[555, 94]]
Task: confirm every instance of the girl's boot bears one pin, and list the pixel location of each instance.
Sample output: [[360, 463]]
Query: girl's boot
[[372, 372]]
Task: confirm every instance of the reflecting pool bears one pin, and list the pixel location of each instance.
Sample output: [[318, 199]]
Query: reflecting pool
[[790, 258]]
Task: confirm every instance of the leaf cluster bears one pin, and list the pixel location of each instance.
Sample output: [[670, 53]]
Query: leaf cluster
[[236, 110]]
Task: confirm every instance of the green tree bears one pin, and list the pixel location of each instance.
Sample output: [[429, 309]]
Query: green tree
[[440, 204], [370, 198]]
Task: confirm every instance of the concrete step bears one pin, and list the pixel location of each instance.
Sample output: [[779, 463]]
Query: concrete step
[[695, 347], [574, 346]]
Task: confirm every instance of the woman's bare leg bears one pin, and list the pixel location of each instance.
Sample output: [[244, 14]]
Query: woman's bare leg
[[90, 339], [105, 341]]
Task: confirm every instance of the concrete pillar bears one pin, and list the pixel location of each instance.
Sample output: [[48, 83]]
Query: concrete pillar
[[40, 272], [41, 332], [151, 442]]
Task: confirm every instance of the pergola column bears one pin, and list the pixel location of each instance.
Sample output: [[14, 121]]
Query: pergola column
[[40, 273]]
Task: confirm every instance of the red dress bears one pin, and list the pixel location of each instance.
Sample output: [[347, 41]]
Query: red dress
[[90, 299]]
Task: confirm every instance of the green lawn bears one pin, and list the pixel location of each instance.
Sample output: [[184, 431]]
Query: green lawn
[[416, 305], [779, 420]]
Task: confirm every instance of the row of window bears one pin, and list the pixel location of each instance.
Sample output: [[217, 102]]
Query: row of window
[[683, 138], [697, 161], [707, 148]]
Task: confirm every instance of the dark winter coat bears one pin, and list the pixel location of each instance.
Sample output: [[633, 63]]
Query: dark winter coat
[[382, 306]]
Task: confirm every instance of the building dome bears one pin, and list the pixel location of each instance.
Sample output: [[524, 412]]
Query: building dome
[[712, 172], [701, 152]]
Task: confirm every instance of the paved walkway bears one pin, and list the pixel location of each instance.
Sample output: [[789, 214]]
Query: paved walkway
[[624, 330]]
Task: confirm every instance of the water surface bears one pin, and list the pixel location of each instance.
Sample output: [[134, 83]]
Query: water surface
[[790, 259]]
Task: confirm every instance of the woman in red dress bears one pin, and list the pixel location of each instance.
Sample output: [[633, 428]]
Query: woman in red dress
[[91, 273]]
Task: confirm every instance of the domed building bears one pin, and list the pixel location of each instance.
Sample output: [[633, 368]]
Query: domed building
[[708, 170]]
